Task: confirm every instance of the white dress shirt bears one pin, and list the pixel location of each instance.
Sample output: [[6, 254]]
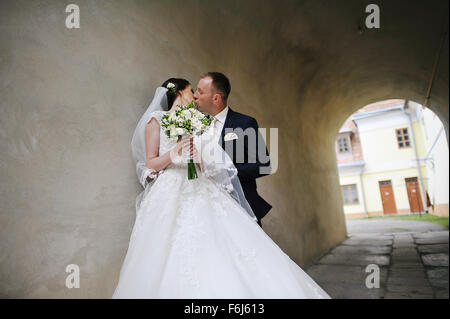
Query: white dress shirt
[[219, 123]]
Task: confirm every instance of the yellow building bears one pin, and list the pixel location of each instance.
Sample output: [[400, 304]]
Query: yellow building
[[390, 157]]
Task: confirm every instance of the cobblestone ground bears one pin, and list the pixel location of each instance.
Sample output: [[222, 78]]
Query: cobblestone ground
[[412, 258]]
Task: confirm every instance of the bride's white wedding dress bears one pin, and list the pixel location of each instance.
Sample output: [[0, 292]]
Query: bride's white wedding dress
[[191, 239]]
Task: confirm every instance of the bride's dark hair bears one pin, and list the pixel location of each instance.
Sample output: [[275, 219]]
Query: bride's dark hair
[[180, 85]]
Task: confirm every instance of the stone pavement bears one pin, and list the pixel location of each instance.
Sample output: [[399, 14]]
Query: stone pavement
[[412, 258]]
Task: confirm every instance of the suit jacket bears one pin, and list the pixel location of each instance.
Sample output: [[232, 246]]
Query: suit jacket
[[246, 156]]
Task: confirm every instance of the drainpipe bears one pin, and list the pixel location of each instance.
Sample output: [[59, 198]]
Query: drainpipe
[[433, 74], [363, 192], [422, 194]]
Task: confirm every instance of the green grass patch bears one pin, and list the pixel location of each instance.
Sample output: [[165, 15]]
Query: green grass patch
[[422, 217]]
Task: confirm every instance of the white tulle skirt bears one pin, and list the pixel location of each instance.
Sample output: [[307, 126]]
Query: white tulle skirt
[[192, 240]]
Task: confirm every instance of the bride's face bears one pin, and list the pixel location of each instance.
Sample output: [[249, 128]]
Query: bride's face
[[187, 95]]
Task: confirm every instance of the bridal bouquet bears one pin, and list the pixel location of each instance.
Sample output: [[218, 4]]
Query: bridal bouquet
[[186, 120]]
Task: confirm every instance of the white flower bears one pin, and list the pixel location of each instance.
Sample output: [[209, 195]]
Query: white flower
[[172, 116], [180, 131], [170, 85], [187, 114], [197, 125], [173, 132]]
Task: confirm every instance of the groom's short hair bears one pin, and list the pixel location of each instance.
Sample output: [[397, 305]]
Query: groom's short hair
[[221, 83]]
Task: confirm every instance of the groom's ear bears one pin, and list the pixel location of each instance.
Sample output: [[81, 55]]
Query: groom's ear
[[217, 97]]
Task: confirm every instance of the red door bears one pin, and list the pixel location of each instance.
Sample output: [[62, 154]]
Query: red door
[[387, 198], [415, 200]]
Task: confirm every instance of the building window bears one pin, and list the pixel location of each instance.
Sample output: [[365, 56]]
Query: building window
[[403, 138], [343, 145], [350, 194]]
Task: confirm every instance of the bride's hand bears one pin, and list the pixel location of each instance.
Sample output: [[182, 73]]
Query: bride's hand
[[195, 154], [177, 150]]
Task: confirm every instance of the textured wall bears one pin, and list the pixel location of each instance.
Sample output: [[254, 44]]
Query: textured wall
[[70, 100]]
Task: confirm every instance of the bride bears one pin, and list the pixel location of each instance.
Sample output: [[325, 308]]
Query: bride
[[198, 238]]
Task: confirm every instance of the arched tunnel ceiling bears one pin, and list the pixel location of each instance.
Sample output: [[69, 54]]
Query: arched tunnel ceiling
[[313, 50]]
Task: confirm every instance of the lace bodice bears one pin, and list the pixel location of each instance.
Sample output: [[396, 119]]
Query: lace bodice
[[165, 144]]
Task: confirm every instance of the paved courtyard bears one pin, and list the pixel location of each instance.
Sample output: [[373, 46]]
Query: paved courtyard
[[411, 256]]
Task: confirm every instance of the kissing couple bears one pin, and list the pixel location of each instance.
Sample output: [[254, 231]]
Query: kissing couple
[[203, 237]]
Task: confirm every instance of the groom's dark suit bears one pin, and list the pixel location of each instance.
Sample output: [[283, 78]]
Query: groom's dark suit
[[249, 168]]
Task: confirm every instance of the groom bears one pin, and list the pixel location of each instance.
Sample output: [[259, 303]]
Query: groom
[[211, 97]]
